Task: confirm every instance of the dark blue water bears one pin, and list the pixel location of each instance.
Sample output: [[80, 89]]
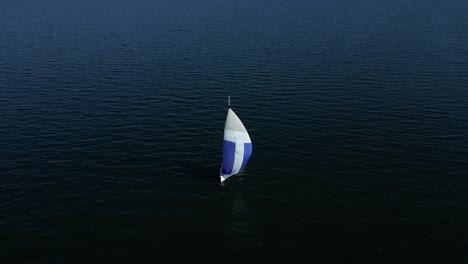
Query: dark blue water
[[112, 114]]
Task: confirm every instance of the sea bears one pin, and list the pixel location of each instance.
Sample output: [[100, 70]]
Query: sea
[[111, 131]]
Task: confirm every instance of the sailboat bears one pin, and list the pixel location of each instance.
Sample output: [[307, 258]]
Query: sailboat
[[237, 146]]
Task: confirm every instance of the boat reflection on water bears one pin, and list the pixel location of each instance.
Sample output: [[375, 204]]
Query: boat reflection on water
[[237, 229]]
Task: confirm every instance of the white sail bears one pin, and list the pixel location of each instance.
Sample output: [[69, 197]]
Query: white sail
[[237, 146]]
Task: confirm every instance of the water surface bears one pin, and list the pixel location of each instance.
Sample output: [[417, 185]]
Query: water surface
[[112, 113]]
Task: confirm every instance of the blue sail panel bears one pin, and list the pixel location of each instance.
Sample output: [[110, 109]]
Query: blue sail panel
[[247, 154], [229, 150]]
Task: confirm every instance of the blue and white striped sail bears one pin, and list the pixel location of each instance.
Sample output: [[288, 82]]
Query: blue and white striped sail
[[237, 146]]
